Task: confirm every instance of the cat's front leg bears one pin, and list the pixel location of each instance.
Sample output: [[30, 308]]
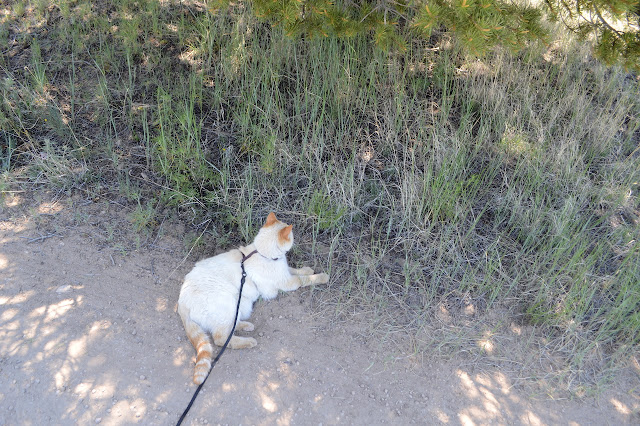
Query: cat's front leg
[[297, 281], [302, 271]]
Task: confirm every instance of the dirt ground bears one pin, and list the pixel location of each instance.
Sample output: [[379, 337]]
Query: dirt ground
[[90, 335]]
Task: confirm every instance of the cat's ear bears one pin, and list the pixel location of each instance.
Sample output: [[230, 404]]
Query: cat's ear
[[271, 219], [284, 234]]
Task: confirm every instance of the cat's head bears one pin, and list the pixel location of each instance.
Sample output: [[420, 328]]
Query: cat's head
[[275, 238]]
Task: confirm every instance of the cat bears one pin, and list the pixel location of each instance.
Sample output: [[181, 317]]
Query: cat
[[209, 294]]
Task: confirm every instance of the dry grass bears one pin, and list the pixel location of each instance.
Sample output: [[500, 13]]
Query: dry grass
[[453, 200]]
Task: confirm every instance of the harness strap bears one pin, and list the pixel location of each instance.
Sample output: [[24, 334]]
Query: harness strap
[[242, 280]]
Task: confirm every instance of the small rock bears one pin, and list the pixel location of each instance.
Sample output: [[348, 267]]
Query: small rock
[[98, 419], [142, 377], [63, 289]]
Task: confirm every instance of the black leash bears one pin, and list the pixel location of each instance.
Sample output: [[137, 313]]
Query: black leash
[[195, 394]]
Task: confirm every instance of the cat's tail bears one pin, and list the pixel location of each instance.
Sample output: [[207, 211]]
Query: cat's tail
[[202, 343]]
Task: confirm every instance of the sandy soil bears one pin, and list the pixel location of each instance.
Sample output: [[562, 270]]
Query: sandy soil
[[90, 335]]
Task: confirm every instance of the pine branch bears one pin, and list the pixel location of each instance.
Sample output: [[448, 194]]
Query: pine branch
[[604, 22]]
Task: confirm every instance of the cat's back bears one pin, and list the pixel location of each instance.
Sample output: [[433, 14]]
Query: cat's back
[[227, 258], [214, 271]]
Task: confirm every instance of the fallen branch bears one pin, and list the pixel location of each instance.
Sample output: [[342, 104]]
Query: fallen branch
[[40, 238]]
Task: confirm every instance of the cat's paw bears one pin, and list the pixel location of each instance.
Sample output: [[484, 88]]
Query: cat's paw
[[245, 326], [306, 271], [238, 342], [320, 278]]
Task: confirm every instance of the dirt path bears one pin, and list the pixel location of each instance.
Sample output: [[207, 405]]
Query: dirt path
[[89, 336]]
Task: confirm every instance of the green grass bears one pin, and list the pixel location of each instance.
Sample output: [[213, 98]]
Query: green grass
[[419, 181]]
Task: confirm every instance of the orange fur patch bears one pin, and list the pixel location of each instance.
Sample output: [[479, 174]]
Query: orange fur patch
[[203, 355], [271, 219], [201, 344], [283, 235]]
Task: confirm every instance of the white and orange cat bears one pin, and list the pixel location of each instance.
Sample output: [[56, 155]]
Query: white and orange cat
[[209, 295]]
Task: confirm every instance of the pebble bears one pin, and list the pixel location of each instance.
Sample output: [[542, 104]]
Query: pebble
[[142, 377], [63, 288], [98, 419]]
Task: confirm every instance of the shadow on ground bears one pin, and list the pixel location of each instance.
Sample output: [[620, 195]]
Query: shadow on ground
[[89, 336]]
